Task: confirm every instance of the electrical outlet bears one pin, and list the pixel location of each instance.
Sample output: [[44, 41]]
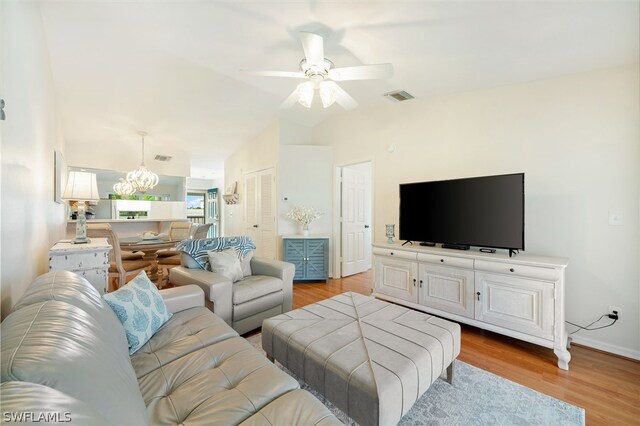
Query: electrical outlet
[[617, 309]]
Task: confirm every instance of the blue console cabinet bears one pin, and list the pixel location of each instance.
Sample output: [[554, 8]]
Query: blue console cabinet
[[310, 255]]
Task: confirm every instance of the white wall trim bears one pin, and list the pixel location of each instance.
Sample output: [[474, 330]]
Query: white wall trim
[[606, 347]]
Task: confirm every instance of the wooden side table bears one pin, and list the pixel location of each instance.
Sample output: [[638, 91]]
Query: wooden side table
[[90, 260], [310, 255]]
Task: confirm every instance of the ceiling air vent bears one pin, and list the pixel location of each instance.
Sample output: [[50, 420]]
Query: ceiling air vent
[[163, 157], [398, 95]]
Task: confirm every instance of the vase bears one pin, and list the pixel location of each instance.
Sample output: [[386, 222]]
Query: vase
[[305, 229], [390, 233]]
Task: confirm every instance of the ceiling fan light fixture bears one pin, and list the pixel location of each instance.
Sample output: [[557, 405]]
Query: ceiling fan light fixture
[[327, 93], [305, 94]]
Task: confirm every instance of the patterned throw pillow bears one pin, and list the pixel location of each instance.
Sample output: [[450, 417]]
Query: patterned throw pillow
[[226, 262], [140, 308]]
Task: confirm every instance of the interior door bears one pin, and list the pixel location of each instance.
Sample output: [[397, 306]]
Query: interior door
[[251, 205], [267, 215], [260, 218], [356, 219]]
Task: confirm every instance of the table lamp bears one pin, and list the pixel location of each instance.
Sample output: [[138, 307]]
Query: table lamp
[[81, 187]]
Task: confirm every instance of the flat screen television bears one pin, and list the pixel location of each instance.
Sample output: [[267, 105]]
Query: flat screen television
[[483, 211]]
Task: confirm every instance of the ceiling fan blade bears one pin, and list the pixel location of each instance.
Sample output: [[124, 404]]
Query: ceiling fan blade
[[275, 73], [291, 100], [362, 72], [344, 99], [313, 46]]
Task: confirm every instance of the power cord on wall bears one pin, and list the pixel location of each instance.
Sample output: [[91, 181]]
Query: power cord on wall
[[613, 316]]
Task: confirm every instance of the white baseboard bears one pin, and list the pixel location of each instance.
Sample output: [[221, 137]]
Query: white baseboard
[[614, 349]]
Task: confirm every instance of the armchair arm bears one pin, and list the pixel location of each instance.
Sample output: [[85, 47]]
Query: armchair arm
[[278, 269], [217, 288], [181, 298]]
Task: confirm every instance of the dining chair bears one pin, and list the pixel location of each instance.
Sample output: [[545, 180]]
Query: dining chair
[[169, 258], [125, 255], [118, 268], [178, 231], [201, 231]]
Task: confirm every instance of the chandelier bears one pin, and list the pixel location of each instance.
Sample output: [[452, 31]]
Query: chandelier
[[124, 187], [142, 179]]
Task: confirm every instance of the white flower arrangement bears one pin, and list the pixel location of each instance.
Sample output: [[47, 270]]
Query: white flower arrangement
[[303, 215]]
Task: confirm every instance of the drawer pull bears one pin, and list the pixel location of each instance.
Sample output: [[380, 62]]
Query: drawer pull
[[391, 253], [512, 270], [441, 260]]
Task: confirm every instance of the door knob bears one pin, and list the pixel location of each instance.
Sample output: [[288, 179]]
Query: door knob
[[478, 295]]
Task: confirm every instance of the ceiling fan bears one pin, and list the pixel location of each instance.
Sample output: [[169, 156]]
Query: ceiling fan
[[322, 76]]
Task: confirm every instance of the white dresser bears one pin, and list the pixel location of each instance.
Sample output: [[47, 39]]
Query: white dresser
[[90, 260], [520, 296]]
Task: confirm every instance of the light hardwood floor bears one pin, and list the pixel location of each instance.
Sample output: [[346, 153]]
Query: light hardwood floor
[[606, 386]]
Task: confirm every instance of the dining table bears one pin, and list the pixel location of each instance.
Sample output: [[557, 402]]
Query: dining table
[[149, 247]]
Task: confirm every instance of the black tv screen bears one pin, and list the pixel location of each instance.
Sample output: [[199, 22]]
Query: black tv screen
[[481, 211]]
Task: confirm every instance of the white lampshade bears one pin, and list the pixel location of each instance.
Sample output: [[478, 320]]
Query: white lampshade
[[81, 186]]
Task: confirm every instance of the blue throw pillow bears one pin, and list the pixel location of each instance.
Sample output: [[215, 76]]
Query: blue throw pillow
[[140, 308]]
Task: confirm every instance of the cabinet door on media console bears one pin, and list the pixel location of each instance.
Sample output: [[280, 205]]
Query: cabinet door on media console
[[448, 289], [518, 304], [397, 277]]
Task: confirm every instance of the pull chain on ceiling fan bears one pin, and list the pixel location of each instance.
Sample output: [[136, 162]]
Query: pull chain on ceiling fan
[[322, 76]]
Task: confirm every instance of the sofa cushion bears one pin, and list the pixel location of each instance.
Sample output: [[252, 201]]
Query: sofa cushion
[[197, 249], [140, 308], [57, 344], [226, 262], [75, 290], [256, 308], [223, 383], [253, 287], [297, 407], [31, 403], [188, 331]]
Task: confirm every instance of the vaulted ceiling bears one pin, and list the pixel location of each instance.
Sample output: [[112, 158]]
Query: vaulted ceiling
[[173, 68]]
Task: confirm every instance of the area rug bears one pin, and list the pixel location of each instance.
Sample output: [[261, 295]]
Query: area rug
[[477, 398]]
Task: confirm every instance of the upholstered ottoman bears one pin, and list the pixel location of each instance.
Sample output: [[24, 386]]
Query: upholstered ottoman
[[371, 358]]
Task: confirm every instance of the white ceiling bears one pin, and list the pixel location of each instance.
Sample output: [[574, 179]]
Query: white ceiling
[[172, 68]]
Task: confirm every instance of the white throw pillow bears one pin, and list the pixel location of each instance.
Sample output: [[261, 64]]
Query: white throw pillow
[[245, 262], [226, 262]]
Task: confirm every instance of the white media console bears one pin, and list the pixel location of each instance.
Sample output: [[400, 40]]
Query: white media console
[[520, 296]]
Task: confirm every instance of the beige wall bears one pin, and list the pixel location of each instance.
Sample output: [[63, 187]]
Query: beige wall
[[577, 140], [260, 153], [31, 221]]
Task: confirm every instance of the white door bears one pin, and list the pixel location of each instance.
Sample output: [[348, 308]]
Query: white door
[[356, 219], [267, 215], [251, 206], [260, 219]]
